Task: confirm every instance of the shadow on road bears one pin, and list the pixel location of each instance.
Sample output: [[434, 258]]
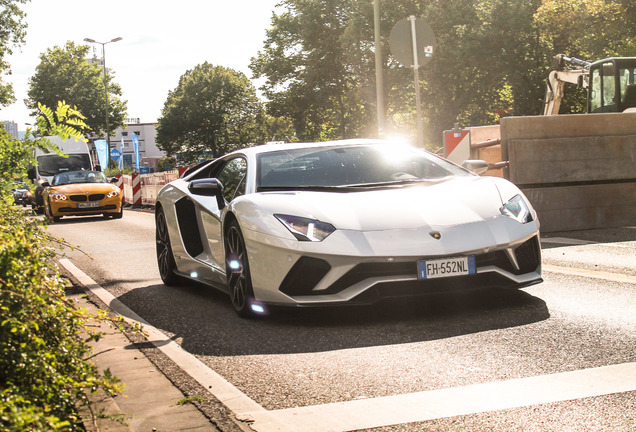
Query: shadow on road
[[593, 236], [205, 322]]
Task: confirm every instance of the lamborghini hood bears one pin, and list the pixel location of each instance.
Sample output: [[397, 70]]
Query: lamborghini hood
[[451, 202]]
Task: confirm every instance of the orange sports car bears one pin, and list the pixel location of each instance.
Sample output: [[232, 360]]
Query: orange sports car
[[82, 193]]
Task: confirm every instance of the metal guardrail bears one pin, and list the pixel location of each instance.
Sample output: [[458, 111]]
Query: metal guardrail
[[484, 144], [491, 143]]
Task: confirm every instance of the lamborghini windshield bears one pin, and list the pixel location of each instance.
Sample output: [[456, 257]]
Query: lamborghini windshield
[[353, 166]]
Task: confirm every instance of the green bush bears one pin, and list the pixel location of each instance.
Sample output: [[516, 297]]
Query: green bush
[[44, 374]]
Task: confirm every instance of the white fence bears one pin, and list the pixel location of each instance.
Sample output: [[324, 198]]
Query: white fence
[[142, 189]]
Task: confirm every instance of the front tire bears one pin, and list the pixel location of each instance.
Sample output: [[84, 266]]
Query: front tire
[[48, 213], [165, 258], [239, 280]]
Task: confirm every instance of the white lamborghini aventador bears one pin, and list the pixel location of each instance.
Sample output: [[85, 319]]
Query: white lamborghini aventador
[[342, 222]]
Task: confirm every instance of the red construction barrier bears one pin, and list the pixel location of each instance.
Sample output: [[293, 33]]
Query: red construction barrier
[[120, 184], [136, 187], [182, 170]]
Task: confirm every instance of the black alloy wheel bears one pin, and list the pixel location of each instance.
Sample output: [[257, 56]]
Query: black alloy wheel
[[239, 281], [165, 259]]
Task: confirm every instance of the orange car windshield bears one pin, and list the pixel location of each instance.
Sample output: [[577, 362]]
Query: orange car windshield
[[72, 177]]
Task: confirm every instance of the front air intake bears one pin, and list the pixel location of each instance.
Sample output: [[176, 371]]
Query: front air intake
[[304, 276]]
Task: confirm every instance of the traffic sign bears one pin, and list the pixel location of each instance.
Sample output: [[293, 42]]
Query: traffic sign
[[404, 34], [457, 144], [115, 154]]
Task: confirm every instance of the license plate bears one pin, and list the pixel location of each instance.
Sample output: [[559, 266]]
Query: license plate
[[446, 267], [88, 204]]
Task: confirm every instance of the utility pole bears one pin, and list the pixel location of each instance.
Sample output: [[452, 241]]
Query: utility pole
[[379, 77], [103, 44]]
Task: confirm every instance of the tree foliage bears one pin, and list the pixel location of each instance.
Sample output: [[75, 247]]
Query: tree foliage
[[212, 111], [44, 371], [64, 74], [65, 122], [492, 59], [12, 33], [309, 76]]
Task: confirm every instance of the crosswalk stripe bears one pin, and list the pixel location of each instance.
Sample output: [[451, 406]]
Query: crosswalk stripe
[[435, 404]]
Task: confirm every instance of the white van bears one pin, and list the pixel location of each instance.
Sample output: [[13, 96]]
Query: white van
[[77, 157]]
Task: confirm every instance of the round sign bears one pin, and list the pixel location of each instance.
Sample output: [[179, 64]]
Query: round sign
[[401, 42]]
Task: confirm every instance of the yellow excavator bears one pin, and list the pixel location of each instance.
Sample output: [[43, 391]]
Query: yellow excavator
[[610, 83]]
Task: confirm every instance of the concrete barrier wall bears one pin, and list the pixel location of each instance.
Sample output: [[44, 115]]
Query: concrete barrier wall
[[579, 171]]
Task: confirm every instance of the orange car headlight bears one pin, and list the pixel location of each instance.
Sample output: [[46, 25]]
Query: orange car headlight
[[58, 196], [113, 193]]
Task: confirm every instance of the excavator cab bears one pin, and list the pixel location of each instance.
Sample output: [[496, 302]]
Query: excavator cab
[[612, 85]]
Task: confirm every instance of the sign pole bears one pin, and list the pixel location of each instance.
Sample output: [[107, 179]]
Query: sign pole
[[416, 79]]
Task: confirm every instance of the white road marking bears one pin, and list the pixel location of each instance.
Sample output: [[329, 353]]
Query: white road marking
[[566, 241], [435, 404], [225, 392], [388, 410]]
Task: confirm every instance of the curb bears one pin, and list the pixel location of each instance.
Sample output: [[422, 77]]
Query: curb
[[148, 402]]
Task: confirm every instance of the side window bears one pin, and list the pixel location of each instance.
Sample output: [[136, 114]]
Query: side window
[[609, 89], [595, 92], [232, 177]]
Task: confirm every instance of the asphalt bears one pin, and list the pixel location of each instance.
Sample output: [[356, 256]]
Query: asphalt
[[149, 401]]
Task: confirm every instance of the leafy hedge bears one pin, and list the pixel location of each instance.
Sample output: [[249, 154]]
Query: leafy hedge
[[43, 372]]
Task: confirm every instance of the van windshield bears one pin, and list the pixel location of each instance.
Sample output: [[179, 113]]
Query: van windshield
[[51, 164]]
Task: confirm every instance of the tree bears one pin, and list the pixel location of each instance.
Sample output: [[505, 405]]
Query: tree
[[64, 74], [588, 29], [212, 111], [492, 58], [12, 33], [309, 77]]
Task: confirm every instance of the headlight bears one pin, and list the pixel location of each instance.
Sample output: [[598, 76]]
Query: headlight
[[306, 229], [58, 196], [517, 209], [113, 193]]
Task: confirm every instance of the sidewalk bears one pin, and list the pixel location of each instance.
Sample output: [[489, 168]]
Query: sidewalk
[[149, 402]]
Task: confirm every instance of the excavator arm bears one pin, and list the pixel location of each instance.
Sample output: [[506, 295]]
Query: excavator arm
[[560, 75]]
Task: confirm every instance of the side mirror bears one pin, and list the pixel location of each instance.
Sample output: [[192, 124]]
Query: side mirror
[[114, 180], [208, 187], [45, 184], [476, 166]]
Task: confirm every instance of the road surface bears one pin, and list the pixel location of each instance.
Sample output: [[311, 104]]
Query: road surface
[[557, 356]]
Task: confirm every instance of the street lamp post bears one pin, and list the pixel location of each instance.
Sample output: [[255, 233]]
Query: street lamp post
[[103, 44], [379, 80]]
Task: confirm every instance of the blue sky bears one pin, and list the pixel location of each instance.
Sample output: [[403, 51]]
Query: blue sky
[[161, 40]]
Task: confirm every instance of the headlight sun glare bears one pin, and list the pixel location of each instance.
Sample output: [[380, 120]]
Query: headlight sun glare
[[517, 209], [305, 229]]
